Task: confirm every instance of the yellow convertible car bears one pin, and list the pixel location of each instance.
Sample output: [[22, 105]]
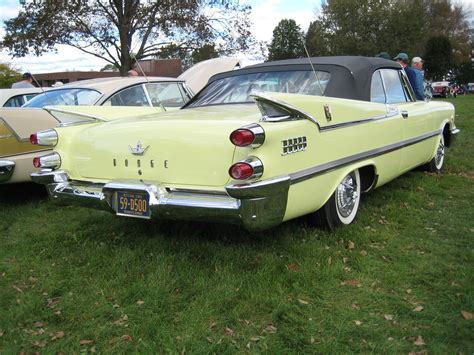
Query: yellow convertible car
[[256, 147]]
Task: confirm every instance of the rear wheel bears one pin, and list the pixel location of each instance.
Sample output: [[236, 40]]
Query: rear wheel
[[436, 164], [343, 205]]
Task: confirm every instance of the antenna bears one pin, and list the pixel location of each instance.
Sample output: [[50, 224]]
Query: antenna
[[312, 67], [36, 81], [138, 65], [143, 73]]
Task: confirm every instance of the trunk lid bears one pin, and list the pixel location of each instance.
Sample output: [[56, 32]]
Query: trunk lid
[[186, 147]]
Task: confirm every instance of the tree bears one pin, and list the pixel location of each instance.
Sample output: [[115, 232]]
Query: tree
[[367, 27], [287, 41], [8, 76], [109, 67], [208, 51], [112, 29], [438, 57]]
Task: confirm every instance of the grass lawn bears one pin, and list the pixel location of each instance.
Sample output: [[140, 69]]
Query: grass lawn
[[399, 280]]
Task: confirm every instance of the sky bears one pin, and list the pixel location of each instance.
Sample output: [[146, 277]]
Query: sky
[[266, 14]]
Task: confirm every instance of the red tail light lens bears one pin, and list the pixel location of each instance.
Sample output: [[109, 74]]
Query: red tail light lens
[[242, 137], [36, 161], [34, 139], [241, 171]]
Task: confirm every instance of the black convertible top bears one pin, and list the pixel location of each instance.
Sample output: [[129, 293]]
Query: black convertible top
[[350, 75]]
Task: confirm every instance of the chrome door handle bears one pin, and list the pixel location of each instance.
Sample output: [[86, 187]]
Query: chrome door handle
[[405, 114]]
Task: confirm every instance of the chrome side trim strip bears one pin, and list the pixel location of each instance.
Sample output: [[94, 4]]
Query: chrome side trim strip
[[392, 113], [323, 168]]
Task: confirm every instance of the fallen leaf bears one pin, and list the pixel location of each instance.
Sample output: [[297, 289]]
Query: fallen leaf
[[302, 301], [209, 340], [116, 306], [256, 338], [413, 302], [85, 342], [213, 325], [271, 328], [363, 253], [329, 260], [39, 324], [351, 283], [408, 291], [57, 335], [140, 302], [293, 267], [312, 340], [467, 315], [388, 317], [350, 245], [40, 344], [419, 341], [17, 288], [1, 333], [345, 259], [126, 337], [228, 331], [355, 306], [357, 322], [52, 302], [418, 309]]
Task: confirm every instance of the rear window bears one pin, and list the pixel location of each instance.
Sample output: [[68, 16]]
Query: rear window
[[239, 88], [65, 97]]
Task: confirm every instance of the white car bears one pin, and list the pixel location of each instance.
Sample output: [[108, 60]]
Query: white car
[[17, 97]]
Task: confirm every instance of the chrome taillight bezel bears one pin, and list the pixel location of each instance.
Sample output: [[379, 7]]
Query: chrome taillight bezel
[[48, 138], [49, 161], [258, 135], [256, 165]]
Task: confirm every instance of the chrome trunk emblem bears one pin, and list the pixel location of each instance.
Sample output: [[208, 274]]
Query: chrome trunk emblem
[[139, 149]]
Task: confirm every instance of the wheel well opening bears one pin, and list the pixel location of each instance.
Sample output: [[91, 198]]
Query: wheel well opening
[[368, 177], [447, 136]]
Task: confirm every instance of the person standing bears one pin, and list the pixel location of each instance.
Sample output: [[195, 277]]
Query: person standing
[[402, 59], [417, 65], [26, 82]]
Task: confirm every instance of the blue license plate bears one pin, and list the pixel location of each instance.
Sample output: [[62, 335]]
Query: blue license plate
[[133, 204]]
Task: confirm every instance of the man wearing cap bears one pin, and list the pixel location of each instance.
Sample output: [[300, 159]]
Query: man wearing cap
[[417, 65], [402, 59], [25, 83]]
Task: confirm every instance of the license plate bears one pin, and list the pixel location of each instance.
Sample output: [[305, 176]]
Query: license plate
[[133, 204]]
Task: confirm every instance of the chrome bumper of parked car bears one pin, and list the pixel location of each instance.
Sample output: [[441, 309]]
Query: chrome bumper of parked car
[[6, 170], [255, 206]]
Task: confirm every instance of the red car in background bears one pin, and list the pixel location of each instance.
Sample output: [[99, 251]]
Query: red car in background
[[441, 89]]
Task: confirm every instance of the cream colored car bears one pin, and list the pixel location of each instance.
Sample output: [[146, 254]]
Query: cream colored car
[[142, 95]]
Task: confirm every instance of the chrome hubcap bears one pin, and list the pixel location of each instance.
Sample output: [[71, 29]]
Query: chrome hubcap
[[346, 196], [440, 154]]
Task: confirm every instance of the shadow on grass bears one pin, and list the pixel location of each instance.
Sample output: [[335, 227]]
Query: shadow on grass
[[17, 194]]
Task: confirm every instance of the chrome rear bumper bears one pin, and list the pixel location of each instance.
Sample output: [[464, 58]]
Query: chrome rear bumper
[[255, 206], [6, 170]]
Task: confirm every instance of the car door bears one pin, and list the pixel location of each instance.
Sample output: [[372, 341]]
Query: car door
[[414, 115]]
